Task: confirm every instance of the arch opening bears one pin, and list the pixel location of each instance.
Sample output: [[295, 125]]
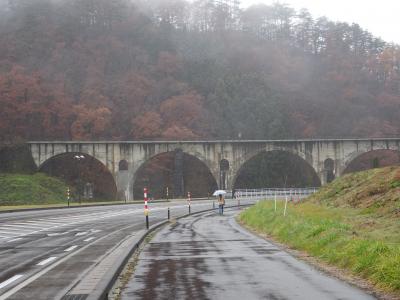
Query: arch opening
[[123, 165], [88, 177], [329, 168], [223, 173], [276, 169], [373, 159], [173, 175]]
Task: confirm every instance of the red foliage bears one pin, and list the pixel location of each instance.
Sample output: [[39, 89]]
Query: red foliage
[[90, 122], [147, 126], [108, 71]]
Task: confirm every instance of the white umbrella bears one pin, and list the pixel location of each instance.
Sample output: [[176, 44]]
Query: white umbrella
[[219, 192]]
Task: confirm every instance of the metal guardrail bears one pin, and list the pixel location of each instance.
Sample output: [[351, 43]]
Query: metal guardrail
[[272, 193]]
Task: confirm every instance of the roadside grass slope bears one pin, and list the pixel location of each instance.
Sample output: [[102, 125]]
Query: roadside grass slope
[[352, 223], [34, 189]]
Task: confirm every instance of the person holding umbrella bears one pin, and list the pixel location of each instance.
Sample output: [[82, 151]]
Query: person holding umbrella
[[221, 201]]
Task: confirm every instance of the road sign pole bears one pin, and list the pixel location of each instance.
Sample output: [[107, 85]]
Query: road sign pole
[[284, 212], [146, 208], [68, 195], [189, 200]]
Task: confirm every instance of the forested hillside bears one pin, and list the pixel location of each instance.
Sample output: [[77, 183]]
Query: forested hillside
[[171, 69]]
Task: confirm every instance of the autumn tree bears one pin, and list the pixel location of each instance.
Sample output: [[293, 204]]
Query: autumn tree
[[176, 69]]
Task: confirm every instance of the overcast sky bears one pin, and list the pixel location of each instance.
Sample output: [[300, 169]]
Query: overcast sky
[[380, 17]]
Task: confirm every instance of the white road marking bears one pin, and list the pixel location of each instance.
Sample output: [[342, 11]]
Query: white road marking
[[89, 239], [29, 224], [29, 280], [40, 225], [7, 232], [9, 281], [81, 233], [8, 228], [70, 248], [46, 261], [19, 226], [14, 240], [58, 233]]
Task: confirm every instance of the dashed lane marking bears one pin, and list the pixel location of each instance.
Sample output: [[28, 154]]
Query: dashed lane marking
[[7, 232], [46, 269], [58, 233], [43, 223], [81, 233], [20, 226], [89, 239], [46, 224], [6, 228], [14, 240], [9, 281], [70, 248], [46, 261]]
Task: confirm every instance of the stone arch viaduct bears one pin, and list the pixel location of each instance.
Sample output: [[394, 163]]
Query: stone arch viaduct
[[134, 154]]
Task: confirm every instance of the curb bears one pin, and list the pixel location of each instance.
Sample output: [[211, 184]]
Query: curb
[[107, 282]]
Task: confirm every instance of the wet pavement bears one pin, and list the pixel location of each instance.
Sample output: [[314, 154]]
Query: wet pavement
[[44, 254], [212, 257]]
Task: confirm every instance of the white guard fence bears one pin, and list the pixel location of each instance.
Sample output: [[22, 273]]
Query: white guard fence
[[271, 194]]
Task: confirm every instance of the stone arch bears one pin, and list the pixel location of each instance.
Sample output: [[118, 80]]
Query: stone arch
[[302, 153], [285, 151], [173, 167], [250, 153], [87, 168], [376, 158], [138, 164]]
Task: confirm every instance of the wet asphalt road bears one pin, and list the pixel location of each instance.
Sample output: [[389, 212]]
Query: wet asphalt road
[[211, 257], [44, 253]]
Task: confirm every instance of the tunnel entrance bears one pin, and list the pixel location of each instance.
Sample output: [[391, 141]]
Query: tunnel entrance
[[88, 177], [175, 173], [373, 159], [276, 169]]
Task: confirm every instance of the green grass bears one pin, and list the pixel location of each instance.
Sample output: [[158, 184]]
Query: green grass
[[35, 189], [335, 236], [352, 223], [38, 191]]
